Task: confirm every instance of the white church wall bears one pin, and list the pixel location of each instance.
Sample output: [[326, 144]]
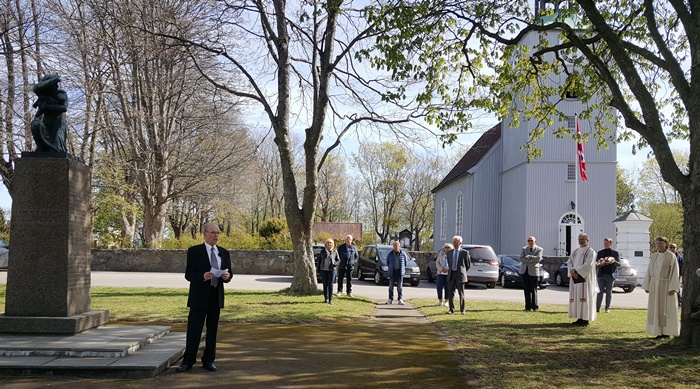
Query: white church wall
[[486, 200]]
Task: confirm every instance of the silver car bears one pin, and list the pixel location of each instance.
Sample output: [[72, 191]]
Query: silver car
[[484, 269]]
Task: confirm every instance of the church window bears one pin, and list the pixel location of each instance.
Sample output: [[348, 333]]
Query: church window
[[443, 220], [460, 199], [571, 123], [571, 172]]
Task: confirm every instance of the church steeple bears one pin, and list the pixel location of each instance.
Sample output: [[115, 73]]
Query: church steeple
[[542, 6]]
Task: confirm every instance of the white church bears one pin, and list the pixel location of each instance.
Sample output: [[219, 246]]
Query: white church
[[493, 196]]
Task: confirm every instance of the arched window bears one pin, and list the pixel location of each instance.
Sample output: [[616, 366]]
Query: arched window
[[458, 228], [443, 220]]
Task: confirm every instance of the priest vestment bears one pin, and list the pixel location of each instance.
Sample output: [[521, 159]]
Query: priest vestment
[[662, 308], [582, 302]]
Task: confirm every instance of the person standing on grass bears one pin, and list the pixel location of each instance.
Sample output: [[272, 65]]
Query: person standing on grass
[[582, 285], [206, 296], [348, 259], [662, 283], [607, 262], [443, 270], [672, 248], [396, 262], [459, 263], [327, 262], [530, 258]]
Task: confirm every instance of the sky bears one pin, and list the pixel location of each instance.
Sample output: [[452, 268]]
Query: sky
[[625, 159]]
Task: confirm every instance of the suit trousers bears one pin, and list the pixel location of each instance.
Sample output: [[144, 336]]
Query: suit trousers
[[455, 284], [345, 272], [195, 323], [530, 290]]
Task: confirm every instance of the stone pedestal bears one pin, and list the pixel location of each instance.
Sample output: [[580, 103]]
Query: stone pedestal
[[48, 280]]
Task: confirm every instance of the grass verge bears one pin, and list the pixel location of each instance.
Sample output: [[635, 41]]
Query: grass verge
[[170, 306], [505, 347]]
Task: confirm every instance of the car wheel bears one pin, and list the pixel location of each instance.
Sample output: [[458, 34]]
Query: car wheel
[[360, 275], [628, 289], [502, 280], [431, 279], [377, 278], [558, 279], [415, 283], [491, 284]]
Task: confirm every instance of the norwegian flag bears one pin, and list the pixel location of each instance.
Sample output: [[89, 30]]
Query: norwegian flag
[[579, 151]]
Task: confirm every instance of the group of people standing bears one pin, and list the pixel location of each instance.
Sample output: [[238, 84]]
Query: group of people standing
[[589, 270], [344, 260], [661, 281], [452, 265]]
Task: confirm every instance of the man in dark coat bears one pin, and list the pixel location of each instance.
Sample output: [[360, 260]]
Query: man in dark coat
[[208, 268]]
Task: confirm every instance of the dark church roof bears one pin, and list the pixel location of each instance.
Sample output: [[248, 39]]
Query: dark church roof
[[632, 215], [482, 146]]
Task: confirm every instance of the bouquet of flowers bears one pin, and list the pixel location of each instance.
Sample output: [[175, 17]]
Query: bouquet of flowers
[[600, 262]]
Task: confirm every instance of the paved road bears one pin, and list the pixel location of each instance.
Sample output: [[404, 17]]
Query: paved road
[[551, 295]]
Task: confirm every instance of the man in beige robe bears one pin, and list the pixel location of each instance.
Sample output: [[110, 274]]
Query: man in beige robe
[[582, 301], [662, 283]]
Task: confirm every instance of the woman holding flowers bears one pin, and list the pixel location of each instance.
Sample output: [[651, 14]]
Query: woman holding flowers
[[607, 262]]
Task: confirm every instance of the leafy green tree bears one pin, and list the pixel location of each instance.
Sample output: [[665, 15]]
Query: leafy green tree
[[625, 192], [638, 61], [650, 186], [668, 222]]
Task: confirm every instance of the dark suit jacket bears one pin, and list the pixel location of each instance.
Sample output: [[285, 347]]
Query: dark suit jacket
[[463, 264], [198, 264]]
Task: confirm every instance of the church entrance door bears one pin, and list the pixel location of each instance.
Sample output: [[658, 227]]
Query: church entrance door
[[570, 225]]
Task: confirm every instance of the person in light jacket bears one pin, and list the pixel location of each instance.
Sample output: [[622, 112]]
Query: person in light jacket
[[328, 261]]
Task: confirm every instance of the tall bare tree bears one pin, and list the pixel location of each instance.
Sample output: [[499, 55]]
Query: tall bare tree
[[298, 63]]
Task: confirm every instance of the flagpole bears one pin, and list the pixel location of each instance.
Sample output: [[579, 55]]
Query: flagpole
[[576, 162]]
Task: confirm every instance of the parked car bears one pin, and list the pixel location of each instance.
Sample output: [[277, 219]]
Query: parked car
[[509, 273], [4, 253], [484, 269], [373, 263], [626, 276]]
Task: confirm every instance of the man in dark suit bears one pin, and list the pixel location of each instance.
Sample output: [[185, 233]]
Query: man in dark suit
[[206, 297], [458, 262]]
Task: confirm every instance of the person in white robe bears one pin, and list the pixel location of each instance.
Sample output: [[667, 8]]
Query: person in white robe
[[582, 302], [662, 283]]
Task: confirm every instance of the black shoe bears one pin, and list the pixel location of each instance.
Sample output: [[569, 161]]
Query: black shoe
[[535, 310], [584, 323], [183, 367], [450, 312], [577, 322], [662, 337], [210, 366], [526, 309]]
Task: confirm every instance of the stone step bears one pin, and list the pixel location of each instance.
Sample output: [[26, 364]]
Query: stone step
[[147, 357]]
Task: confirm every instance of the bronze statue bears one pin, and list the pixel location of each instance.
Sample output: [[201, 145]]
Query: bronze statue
[[49, 124]]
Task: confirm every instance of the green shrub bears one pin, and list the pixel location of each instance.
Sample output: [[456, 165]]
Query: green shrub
[[272, 227]]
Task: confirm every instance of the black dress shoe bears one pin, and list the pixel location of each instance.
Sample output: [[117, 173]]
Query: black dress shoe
[[183, 367], [210, 366], [535, 310], [450, 312]]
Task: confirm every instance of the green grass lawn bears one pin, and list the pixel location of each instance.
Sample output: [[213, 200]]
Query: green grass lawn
[[496, 343], [170, 306], [504, 347]]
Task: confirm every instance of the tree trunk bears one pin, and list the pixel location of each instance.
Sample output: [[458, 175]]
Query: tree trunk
[[690, 313], [153, 224]]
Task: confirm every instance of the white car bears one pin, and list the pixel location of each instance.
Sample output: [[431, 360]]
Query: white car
[[4, 253]]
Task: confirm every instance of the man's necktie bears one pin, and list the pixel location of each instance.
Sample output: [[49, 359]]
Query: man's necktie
[[454, 260], [215, 265]]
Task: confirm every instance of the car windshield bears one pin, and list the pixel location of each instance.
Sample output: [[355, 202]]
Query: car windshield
[[509, 261]]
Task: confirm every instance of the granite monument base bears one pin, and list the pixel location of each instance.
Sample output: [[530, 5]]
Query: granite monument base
[[48, 275]]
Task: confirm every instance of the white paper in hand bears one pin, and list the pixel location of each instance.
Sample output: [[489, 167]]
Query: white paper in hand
[[218, 272]]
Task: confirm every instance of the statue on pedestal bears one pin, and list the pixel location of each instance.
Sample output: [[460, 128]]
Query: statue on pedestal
[[49, 124]]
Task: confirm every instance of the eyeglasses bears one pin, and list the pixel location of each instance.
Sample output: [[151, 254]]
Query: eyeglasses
[[213, 232], [530, 240]]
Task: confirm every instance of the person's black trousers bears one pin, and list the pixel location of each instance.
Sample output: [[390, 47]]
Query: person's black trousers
[[345, 272], [530, 288], [195, 323]]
